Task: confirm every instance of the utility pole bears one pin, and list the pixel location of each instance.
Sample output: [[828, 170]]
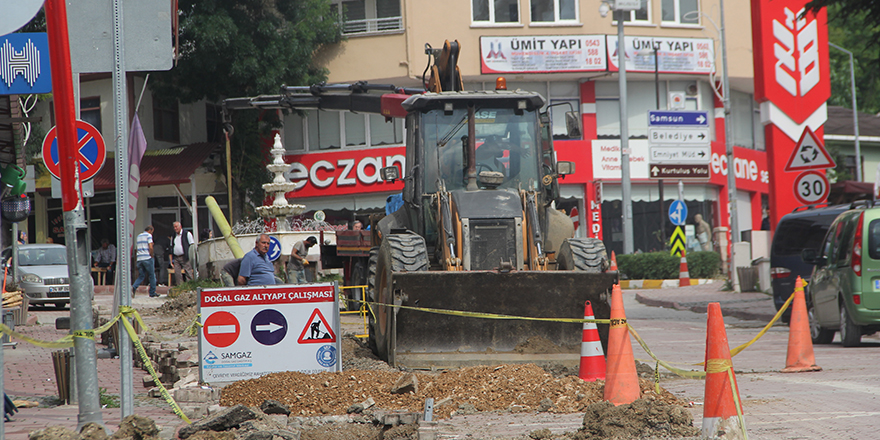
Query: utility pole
[[625, 183]]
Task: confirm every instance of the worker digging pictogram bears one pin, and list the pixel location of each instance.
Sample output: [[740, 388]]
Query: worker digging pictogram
[[316, 330]]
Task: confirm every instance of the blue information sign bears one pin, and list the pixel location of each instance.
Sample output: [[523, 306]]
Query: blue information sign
[[678, 213], [663, 118], [274, 248], [269, 327], [24, 64]]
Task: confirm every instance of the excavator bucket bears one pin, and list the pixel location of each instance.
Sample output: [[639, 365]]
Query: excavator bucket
[[422, 339]]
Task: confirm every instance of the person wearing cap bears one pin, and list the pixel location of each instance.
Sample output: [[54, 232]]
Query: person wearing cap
[[296, 265]]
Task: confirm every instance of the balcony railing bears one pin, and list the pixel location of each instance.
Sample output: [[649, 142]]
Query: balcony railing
[[372, 25]]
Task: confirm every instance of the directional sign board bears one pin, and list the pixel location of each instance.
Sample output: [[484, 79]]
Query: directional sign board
[[251, 331], [24, 63], [809, 154], [688, 171], [91, 151], [679, 137], [678, 212], [677, 242]]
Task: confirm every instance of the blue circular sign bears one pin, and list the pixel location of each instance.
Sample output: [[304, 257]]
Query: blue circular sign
[[269, 327], [678, 213], [274, 248], [326, 356]]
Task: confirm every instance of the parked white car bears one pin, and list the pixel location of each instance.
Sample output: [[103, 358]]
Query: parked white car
[[42, 273]]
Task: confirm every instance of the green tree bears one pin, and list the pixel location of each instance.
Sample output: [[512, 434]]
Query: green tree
[[233, 48], [855, 26]]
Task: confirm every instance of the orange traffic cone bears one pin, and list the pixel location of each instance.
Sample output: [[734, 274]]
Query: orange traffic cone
[[613, 267], [684, 278], [720, 410], [621, 379], [800, 345], [592, 356]]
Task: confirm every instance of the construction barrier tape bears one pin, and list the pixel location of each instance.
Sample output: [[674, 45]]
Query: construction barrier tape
[[776, 317], [683, 373], [487, 315], [125, 312], [129, 312], [192, 329]]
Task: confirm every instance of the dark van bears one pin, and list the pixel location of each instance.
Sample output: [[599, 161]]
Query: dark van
[[803, 228]]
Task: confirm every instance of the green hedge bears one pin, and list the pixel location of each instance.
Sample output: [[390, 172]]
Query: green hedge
[[662, 266]]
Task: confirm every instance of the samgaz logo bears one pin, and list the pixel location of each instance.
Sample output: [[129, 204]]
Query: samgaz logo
[[326, 356], [210, 358], [794, 35]]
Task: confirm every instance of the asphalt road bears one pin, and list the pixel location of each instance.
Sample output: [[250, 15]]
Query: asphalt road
[[840, 402]]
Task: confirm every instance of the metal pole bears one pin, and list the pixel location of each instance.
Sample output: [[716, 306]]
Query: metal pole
[[124, 228], [74, 220], [855, 109], [659, 182], [728, 137], [625, 184]]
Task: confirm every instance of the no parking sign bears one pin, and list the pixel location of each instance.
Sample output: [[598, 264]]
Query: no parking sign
[[248, 332]]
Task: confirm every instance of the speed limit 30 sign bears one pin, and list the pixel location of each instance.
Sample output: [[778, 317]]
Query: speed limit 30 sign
[[811, 187]]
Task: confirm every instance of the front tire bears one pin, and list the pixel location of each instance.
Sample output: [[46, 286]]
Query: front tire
[[398, 253], [850, 333], [819, 334], [582, 254]]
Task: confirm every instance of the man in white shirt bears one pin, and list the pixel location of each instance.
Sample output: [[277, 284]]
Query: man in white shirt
[[144, 256], [180, 254]]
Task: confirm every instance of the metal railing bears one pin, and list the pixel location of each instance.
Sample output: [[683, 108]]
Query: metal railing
[[372, 25]]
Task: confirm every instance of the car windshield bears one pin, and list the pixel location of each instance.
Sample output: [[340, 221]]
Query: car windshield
[[505, 142], [42, 257]]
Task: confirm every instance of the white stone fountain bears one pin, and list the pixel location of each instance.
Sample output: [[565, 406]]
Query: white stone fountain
[[280, 209]]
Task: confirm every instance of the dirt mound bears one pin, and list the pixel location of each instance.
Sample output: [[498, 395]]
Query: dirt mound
[[644, 418], [513, 388]]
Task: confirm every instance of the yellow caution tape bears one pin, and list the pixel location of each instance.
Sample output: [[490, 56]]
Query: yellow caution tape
[[487, 315], [128, 312], [192, 329], [776, 317]]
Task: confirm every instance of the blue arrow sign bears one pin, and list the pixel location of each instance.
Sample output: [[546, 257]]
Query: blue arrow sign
[[678, 213], [678, 118], [269, 327], [274, 248]]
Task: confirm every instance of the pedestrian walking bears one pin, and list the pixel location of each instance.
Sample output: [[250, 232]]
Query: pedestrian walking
[[145, 265], [180, 254]]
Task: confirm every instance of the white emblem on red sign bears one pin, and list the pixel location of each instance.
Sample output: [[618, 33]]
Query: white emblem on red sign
[[809, 154], [795, 34]]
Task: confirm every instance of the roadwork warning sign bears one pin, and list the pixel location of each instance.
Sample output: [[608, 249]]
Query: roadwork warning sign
[[248, 332]]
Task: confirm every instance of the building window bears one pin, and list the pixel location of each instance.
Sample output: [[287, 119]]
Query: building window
[[551, 11], [90, 111], [745, 121], [495, 11], [681, 12], [213, 123], [369, 16], [166, 120], [849, 163], [640, 16]]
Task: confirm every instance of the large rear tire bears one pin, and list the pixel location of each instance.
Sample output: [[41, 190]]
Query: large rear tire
[[582, 254], [398, 253]]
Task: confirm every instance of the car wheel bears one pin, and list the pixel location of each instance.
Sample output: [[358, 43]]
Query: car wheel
[[819, 334], [850, 333]]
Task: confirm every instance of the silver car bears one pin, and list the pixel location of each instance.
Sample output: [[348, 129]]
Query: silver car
[[42, 273]]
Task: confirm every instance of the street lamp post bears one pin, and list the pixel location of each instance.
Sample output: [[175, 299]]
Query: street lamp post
[[728, 138], [625, 184], [855, 109]]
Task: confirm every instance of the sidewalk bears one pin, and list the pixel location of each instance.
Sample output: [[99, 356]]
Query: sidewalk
[[30, 375], [755, 306]]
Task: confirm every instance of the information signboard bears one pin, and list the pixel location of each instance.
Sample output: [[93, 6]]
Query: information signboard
[[250, 331]]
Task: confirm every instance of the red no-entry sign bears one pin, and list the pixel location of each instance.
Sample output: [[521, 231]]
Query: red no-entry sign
[[221, 329]]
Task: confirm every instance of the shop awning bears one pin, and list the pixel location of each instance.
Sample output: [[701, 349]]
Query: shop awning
[[161, 167]]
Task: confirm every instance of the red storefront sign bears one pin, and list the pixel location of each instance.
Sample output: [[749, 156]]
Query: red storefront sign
[[792, 82], [344, 171]]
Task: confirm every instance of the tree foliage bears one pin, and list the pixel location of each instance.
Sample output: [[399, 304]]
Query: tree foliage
[[234, 48], [855, 26]]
